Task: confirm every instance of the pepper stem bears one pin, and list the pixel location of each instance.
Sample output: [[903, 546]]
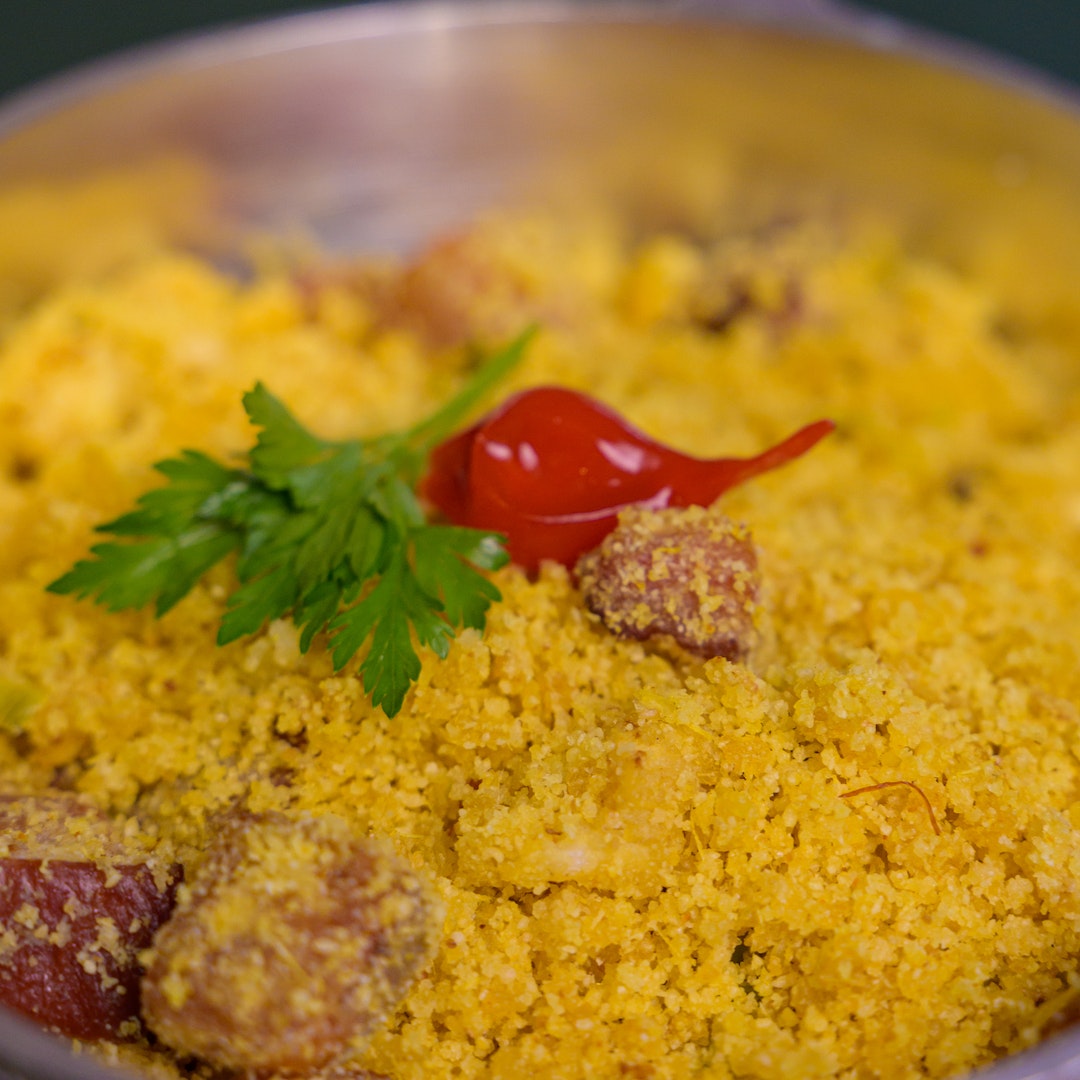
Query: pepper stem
[[792, 447]]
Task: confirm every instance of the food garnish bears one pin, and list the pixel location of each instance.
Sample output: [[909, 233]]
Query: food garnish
[[329, 533], [551, 468], [334, 535]]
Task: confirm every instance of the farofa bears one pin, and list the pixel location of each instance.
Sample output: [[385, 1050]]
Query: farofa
[[647, 865]]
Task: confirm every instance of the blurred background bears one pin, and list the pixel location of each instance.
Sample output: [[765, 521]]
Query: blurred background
[[41, 37]]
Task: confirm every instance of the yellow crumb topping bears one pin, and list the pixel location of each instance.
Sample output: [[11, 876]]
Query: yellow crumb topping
[[647, 864]]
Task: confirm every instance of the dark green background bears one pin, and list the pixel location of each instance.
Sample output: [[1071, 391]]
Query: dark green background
[[39, 37]]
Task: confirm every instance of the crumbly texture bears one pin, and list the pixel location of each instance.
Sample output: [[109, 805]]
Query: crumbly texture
[[646, 862]]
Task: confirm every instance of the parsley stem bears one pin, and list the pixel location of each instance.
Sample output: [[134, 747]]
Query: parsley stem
[[432, 431]]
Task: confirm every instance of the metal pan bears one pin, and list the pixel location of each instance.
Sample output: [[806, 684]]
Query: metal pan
[[378, 126]]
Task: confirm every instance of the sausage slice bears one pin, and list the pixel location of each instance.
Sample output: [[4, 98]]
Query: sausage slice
[[79, 900], [688, 574], [296, 938]]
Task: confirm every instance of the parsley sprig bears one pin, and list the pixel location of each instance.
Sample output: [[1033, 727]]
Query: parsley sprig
[[329, 533]]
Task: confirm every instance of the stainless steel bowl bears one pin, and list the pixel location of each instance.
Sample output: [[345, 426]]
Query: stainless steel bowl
[[378, 126]]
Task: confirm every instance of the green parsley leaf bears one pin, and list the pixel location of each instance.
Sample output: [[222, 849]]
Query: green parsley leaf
[[445, 558], [158, 569], [328, 533]]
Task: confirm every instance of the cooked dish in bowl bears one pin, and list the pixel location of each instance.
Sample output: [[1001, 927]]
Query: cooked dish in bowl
[[750, 749]]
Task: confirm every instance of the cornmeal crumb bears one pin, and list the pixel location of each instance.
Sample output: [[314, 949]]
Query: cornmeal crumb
[[645, 860]]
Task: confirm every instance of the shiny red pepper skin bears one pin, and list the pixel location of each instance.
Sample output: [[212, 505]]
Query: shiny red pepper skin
[[551, 468]]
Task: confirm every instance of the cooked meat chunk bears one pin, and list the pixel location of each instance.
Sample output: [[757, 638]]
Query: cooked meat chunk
[[690, 575], [296, 937], [476, 288], [79, 900], [455, 291], [459, 290]]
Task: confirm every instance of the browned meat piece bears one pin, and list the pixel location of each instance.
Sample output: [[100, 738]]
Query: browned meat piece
[[78, 902], [295, 938], [688, 574], [460, 290], [476, 288]]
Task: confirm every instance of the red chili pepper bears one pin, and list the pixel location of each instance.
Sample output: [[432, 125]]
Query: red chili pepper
[[551, 468]]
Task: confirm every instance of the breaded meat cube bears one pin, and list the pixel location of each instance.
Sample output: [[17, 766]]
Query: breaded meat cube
[[686, 574], [295, 939]]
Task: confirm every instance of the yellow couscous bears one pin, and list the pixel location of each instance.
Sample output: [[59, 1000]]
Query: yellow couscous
[[647, 861]]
